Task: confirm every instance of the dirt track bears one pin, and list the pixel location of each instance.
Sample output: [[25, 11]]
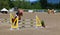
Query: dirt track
[[52, 21]]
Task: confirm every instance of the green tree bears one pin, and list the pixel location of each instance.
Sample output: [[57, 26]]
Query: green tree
[[11, 4], [43, 3], [4, 4], [36, 5]]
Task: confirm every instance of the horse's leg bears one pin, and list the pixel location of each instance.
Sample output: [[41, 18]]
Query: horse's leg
[[13, 20], [19, 18]]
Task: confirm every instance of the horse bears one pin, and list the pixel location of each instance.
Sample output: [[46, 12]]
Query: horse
[[50, 11], [19, 14]]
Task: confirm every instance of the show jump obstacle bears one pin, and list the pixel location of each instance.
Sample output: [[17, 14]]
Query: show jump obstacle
[[14, 22]]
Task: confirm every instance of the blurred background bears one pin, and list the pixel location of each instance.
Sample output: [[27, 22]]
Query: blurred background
[[30, 4]]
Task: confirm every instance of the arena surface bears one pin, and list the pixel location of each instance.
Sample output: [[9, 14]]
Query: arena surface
[[52, 22]]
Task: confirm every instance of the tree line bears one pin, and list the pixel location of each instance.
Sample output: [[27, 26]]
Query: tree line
[[40, 4]]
